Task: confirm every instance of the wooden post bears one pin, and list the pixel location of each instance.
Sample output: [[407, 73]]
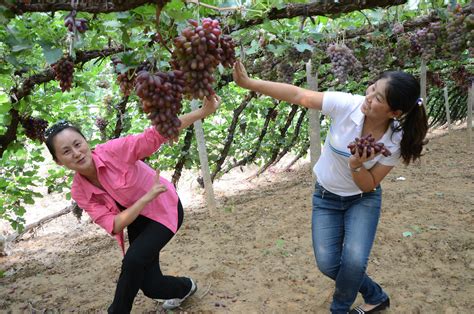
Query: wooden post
[[314, 117], [470, 104], [446, 105], [423, 83], [423, 91], [206, 173]]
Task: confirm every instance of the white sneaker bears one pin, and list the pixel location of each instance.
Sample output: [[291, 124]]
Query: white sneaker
[[174, 303]]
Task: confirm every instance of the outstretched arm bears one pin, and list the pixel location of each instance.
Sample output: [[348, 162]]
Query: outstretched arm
[[281, 91]]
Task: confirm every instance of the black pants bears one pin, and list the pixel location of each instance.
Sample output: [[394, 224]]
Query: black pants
[[141, 265]]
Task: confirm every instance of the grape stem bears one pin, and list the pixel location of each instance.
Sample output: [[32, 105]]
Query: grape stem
[[199, 3], [366, 17], [159, 38]]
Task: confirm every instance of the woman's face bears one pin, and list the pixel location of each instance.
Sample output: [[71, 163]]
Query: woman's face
[[72, 151], [375, 105]]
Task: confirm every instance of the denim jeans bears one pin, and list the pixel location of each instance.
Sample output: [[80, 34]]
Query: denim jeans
[[343, 233]]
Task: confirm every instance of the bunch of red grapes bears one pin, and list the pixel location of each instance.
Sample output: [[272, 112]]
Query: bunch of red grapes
[[368, 142], [227, 57], [101, 123], [161, 95], [63, 70], [126, 80], [34, 127], [198, 51], [375, 59], [343, 61], [461, 77], [398, 28], [434, 79], [71, 22], [427, 40], [456, 29], [469, 24]]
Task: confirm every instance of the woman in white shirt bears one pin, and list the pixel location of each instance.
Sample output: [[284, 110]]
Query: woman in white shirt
[[347, 198]]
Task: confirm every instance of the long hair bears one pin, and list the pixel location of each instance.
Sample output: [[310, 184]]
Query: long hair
[[54, 130], [402, 93]]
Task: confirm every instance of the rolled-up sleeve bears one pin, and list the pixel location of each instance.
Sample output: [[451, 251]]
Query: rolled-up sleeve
[[337, 103], [135, 147]]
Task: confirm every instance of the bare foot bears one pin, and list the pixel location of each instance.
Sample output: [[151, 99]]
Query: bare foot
[[367, 307]]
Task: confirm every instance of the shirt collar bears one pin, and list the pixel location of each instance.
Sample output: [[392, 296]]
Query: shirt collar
[[97, 161], [357, 116], [88, 188]]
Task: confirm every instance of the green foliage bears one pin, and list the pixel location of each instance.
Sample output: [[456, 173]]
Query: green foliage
[[18, 180]]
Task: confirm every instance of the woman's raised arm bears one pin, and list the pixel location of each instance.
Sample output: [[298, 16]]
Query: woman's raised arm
[[281, 91]]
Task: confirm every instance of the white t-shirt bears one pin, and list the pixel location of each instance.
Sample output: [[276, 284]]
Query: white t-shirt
[[332, 170]]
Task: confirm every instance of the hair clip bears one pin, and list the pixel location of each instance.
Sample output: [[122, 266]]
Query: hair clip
[[419, 101], [62, 124]]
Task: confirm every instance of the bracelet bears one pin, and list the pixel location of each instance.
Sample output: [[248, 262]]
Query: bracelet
[[354, 169]]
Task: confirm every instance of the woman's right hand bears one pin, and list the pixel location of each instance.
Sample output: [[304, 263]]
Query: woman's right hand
[[240, 75], [156, 189]]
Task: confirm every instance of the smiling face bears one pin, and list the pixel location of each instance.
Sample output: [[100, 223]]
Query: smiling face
[[376, 105], [72, 151]]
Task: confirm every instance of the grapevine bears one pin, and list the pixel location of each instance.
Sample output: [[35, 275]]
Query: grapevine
[[162, 3]]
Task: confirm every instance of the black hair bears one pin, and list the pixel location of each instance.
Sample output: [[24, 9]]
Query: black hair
[[54, 130], [402, 93]]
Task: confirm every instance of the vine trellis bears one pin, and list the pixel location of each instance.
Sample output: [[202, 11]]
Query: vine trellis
[[282, 129]]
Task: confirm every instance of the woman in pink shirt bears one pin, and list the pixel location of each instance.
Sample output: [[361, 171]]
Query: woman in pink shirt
[[118, 190]]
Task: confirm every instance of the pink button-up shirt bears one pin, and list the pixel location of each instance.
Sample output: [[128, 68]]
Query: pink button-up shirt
[[125, 178]]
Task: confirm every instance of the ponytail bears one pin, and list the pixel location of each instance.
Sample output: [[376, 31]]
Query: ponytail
[[414, 125], [402, 94]]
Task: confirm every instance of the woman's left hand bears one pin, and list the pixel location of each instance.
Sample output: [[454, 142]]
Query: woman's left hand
[[210, 104]]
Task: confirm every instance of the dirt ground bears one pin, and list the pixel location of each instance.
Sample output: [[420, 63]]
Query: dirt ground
[[254, 253]]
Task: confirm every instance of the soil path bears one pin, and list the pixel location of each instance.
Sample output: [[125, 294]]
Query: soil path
[[254, 255]]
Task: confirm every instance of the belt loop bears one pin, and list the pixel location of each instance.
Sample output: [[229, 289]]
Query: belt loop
[[322, 194], [361, 194]]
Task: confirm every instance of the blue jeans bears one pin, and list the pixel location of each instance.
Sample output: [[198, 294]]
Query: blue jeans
[[343, 233]]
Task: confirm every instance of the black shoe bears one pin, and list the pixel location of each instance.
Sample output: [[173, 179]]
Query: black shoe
[[382, 306]]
